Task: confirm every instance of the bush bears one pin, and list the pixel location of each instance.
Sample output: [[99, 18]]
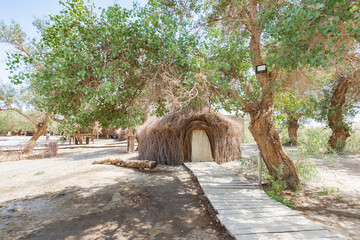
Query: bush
[[276, 186], [278, 198], [122, 134], [353, 143], [248, 138], [283, 134], [305, 166], [314, 141], [50, 149]]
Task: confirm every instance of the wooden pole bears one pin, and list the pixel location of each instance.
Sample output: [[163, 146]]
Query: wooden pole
[[260, 170], [131, 143]]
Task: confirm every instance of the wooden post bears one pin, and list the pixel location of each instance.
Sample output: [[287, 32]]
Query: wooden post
[[260, 169], [131, 143]]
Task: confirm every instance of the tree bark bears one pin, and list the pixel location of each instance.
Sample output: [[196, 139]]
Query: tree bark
[[340, 131], [130, 163], [268, 141], [40, 130], [262, 125], [292, 131], [131, 143], [145, 113]]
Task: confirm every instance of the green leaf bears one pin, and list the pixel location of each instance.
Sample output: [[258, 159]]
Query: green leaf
[[320, 5]]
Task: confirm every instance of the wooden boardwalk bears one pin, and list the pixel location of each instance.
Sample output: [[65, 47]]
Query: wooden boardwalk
[[247, 212]]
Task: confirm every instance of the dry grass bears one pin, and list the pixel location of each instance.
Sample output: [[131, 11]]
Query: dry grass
[[168, 140], [46, 151], [122, 133]]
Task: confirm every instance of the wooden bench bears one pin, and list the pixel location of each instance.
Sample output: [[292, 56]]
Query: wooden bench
[[79, 138]]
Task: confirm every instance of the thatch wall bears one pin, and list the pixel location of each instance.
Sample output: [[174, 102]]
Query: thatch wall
[[241, 123], [168, 140]]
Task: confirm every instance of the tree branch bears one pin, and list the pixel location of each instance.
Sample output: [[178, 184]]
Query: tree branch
[[208, 21], [55, 119], [19, 112]]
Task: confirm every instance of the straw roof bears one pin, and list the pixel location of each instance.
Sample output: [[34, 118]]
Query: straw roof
[[167, 140]]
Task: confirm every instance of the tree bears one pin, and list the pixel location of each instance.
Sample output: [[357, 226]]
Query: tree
[[312, 33], [345, 98], [339, 102], [286, 35], [328, 95], [295, 102], [21, 65], [114, 67], [340, 130], [97, 129], [290, 110], [11, 121], [11, 100], [12, 116], [321, 34], [239, 41]]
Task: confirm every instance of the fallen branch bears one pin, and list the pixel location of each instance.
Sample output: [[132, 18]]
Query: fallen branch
[[129, 163]]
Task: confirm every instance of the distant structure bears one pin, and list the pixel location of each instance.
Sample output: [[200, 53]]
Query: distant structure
[[240, 120]]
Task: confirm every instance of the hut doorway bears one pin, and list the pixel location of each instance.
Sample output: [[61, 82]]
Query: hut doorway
[[200, 147]]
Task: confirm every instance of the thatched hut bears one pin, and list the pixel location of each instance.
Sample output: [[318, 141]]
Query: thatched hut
[[190, 136]]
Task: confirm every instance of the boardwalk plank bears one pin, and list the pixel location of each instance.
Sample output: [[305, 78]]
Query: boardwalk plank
[[258, 204], [247, 212], [255, 206], [274, 211], [234, 199], [230, 192], [256, 213], [315, 234], [226, 178], [268, 225], [238, 197], [226, 186]]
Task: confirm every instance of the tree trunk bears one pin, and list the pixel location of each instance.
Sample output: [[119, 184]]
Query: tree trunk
[[292, 131], [141, 164], [268, 141], [40, 130], [261, 125], [340, 130]]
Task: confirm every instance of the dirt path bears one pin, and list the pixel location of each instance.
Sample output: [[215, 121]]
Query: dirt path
[[69, 198]]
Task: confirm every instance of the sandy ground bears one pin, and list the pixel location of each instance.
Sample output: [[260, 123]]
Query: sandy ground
[[69, 198], [331, 198]]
